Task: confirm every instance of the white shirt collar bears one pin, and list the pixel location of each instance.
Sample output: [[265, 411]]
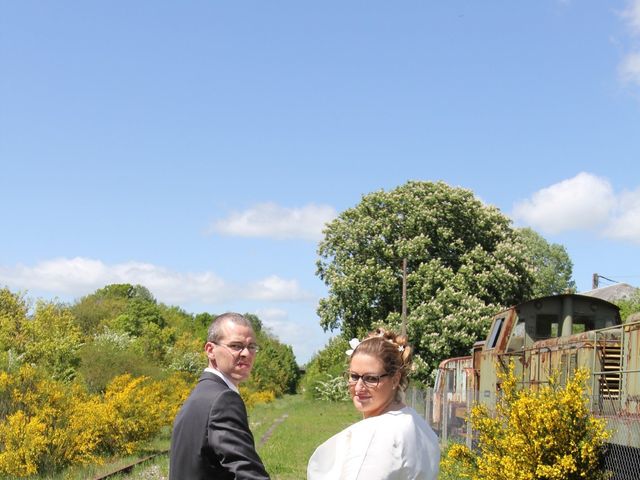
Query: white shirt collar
[[229, 383]]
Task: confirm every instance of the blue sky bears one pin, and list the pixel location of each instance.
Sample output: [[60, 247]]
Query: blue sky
[[198, 147]]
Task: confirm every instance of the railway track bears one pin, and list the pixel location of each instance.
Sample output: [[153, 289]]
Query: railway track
[[127, 468]]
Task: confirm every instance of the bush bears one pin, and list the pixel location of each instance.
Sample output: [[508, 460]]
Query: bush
[[457, 463], [110, 355], [535, 434], [275, 368], [330, 362], [49, 424], [334, 389], [251, 399]]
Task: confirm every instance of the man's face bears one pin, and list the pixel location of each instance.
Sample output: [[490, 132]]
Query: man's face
[[235, 365]]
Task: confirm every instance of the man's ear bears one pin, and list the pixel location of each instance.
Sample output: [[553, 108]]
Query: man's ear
[[208, 350]]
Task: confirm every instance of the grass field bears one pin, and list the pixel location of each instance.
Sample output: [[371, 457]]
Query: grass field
[[308, 424]]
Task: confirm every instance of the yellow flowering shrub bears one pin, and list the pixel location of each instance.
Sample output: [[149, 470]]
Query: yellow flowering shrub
[[252, 399], [24, 441], [458, 463], [134, 411], [175, 391], [46, 425], [535, 434]]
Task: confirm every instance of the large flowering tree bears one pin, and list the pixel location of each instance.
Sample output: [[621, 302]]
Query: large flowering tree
[[464, 262]]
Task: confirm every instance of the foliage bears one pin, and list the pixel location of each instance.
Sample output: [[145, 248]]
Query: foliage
[[49, 339], [334, 389], [110, 354], [252, 398], [186, 355], [464, 260], [50, 424], [552, 267], [53, 341], [93, 312], [137, 315], [330, 362], [256, 323], [275, 367], [126, 291], [543, 434], [457, 463], [105, 375], [629, 306], [13, 319]]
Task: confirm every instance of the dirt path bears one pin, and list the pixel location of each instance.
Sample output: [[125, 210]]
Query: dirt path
[[269, 432]]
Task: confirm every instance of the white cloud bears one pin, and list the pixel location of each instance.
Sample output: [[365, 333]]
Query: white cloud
[[306, 339], [81, 276], [632, 16], [626, 223], [277, 321], [271, 220], [629, 69], [274, 288], [582, 202]]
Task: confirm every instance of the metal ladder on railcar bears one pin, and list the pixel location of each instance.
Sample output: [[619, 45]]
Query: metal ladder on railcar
[[610, 359]]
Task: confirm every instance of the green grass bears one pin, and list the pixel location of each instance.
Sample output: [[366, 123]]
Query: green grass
[[309, 423]]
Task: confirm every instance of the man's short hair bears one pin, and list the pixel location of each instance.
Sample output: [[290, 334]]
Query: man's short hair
[[214, 333]]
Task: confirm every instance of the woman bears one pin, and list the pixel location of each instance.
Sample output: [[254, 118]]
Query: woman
[[392, 442]]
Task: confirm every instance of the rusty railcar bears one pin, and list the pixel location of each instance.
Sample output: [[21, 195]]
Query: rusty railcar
[[561, 333]]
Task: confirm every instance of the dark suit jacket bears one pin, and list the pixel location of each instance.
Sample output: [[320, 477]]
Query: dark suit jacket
[[211, 437]]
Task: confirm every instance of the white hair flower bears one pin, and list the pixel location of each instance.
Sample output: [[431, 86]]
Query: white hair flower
[[401, 348], [353, 343]]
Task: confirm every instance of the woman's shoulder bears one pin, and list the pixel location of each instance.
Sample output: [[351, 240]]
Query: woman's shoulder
[[406, 421], [403, 415]]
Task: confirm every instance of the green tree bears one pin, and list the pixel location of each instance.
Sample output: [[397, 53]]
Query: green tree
[[329, 363], [629, 306], [54, 341], [104, 305], [93, 312], [256, 323], [13, 319], [552, 267], [464, 261], [275, 368], [137, 315], [126, 291], [112, 354]]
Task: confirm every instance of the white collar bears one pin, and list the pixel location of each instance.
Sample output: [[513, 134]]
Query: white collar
[[229, 383]]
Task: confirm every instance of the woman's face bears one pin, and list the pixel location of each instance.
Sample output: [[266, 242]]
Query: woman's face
[[368, 399]]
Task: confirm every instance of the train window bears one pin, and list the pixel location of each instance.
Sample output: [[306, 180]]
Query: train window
[[451, 380], [546, 326], [583, 324], [495, 333], [516, 342]]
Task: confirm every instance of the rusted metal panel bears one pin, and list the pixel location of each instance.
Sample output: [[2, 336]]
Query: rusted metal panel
[[631, 380]]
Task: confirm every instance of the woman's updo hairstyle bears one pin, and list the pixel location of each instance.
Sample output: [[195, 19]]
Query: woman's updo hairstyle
[[392, 350]]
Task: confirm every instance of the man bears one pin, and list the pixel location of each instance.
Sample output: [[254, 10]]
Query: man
[[211, 437]]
